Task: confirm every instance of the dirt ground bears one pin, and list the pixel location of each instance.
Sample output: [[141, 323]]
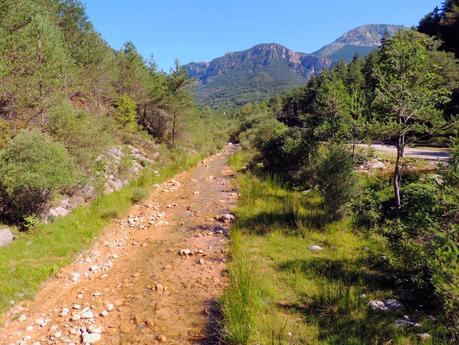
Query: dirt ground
[[152, 277]]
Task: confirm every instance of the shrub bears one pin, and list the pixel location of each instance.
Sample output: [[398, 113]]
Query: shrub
[[84, 136], [286, 153], [32, 169], [333, 173], [138, 195], [126, 111]]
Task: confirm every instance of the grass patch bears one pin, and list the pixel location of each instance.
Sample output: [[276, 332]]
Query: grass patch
[[283, 293], [35, 256]]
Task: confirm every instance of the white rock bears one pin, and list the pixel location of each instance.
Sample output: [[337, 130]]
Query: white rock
[[104, 313], [76, 306], [110, 306], [22, 317], [386, 305], [406, 322], [91, 338], [65, 311], [41, 322], [315, 248], [186, 252], [6, 237], [87, 314], [95, 330], [75, 277]]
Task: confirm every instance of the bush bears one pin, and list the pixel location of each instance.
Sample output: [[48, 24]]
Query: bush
[[126, 110], [84, 136], [286, 153], [138, 195], [333, 173], [32, 169]]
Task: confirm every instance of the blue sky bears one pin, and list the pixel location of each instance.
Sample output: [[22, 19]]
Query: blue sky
[[200, 30]]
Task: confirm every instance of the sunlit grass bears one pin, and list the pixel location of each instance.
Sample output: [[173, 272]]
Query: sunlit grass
[[299, 296]]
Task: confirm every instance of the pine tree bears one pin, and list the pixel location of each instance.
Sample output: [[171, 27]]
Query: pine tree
[[407, 95]]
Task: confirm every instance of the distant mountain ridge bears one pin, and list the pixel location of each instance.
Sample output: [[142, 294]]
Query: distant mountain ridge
[[267, 69], [362, 40]]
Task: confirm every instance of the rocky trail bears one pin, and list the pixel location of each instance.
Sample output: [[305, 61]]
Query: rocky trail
[[152, 277]]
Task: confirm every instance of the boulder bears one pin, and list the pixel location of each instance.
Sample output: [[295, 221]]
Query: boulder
[[6, 237], [315, 248], [386, 305], [57, 212]]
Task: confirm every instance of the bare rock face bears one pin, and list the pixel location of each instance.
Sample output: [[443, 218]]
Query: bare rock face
[[6, 237]]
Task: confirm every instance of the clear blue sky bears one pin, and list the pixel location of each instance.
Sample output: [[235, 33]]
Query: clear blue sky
[[200, 30]]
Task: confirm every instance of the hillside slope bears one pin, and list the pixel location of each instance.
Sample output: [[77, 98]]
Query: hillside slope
[[267, 69]]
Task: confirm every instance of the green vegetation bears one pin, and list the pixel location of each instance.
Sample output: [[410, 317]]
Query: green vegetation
[[32, 169], [67, 99], [61, 80], [40, 253], [388, 234], [281, 292]]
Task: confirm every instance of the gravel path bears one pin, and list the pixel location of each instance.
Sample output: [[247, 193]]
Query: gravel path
[[152, 277]]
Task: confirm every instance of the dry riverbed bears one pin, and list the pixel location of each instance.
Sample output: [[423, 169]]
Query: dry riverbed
[[152, 277]]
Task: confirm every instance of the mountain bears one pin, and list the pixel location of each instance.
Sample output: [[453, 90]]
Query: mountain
[[267, 69], [362, 40]]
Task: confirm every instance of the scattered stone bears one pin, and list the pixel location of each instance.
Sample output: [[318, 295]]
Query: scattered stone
[[64, 312], [386, 305], [41, 322], [91, 338], [110, 306], [95, 330], [104, 313], [75, 277], [424, 336], [87, 314], [315, 248], [6, 237], [76, 306], [94, 268], [406, 322], [57, 212], [185, 252], [22, 317], [201, 261], [161, 338], [225, 218]]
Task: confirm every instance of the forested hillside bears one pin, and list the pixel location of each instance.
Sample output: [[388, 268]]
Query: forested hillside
[[67, 100], [265, 70], [338, 243]]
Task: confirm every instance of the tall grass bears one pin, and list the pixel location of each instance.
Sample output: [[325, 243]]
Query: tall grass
[[283, 293], [240, 303]]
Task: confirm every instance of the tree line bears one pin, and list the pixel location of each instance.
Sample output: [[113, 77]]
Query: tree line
[[66, 96], [402, 93]]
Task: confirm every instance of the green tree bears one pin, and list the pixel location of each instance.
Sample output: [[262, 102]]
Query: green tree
[[333, 173], [39, 71], [32, 169], [126, 111], [407, 95], [178, 100]]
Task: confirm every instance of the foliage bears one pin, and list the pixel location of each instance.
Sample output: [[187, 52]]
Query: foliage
[[303, 297], [333, 172], [84, 136], [32, 169], [126, 111]]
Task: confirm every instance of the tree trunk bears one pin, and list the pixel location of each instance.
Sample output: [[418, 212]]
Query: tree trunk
[[174, 120], [396, 177]]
